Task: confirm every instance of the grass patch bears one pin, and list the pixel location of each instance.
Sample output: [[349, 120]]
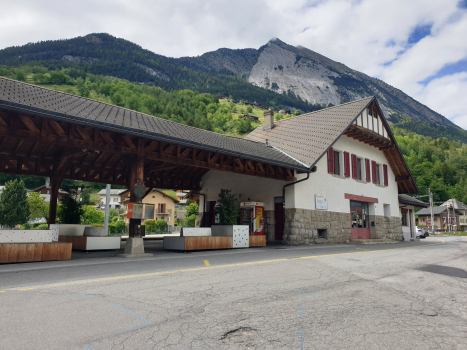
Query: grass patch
[[459, 233]]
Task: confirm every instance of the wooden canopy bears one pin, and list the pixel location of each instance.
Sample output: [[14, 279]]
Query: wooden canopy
[[39, 146]]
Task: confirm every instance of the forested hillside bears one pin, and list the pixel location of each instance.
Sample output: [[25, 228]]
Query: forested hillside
[[439, 164]]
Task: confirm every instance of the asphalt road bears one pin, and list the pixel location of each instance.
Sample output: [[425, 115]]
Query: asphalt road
[[405, 296]]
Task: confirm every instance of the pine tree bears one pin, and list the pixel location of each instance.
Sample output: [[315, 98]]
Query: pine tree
[[14, 207]]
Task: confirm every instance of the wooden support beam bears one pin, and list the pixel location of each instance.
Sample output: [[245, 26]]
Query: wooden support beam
[[402, 178]]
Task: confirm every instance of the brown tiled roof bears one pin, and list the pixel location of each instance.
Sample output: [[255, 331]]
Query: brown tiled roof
[[406, 199], [307, 137], [23, 97]]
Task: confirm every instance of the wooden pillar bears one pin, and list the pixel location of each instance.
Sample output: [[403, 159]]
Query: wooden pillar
[[56, 182], [136, 174]]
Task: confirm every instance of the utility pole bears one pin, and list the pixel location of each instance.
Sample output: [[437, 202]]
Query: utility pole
[[430, 196], [431, 211]]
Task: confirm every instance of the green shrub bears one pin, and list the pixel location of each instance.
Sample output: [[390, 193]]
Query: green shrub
[[150, 225], [97, 225], [161, 226], [112, 229], [43, 227], [91, 215], [120, 226], [189, 221], [26, 226]]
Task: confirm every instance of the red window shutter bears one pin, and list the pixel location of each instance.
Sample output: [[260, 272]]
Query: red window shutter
[[367, 170], [346, 164], [373, 171], [385, 170], [354, 167], [331, 161]]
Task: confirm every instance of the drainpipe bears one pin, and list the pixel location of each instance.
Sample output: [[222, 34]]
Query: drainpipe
[[312, 170]]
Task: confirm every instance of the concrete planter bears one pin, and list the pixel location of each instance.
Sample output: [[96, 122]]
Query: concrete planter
[[26, 236], [94, 231], [72, 229]]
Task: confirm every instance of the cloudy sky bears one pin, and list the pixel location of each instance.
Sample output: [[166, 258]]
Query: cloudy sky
[[418, 46]]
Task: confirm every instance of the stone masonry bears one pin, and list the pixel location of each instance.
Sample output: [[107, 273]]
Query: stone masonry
[[302, 225], [390, 228]]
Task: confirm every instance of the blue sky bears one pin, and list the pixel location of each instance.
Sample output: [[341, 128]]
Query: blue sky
[[418, 46]]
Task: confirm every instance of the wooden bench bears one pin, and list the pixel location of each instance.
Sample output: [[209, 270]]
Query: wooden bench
[[215, 237], [30, 252]]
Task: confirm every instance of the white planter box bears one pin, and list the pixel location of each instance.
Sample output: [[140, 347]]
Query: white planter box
[[239, 234], [26, 236], [102, 243]]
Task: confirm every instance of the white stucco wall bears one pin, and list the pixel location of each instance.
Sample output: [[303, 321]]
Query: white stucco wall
[[251, 188], [334, 187], [406, 229]]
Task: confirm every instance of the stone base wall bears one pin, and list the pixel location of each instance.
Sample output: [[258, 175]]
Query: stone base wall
[[390, 228], [302, 225]]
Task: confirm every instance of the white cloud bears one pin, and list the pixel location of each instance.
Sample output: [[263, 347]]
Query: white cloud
[[447, 94], [362, 34]]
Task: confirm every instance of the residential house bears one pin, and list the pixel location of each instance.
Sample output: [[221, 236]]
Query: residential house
[[450, 215], [164, 205], [356, 172], [181, 195], [46, 190], [115, 198]]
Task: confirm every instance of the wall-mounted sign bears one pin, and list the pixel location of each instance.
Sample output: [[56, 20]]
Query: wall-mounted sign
[[321, 202]]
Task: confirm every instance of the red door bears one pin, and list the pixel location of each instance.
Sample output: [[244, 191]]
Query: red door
[[359, 221], [279, 217]]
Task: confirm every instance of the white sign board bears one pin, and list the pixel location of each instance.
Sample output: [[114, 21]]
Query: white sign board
[[321, 202]]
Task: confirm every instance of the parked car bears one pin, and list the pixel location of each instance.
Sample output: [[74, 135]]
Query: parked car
[[420, 232]]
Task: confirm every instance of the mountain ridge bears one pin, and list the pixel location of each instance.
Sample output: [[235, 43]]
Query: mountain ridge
[[275, 74]]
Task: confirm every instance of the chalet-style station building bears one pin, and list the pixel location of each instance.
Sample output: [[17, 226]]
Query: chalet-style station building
[[350, 191], [327, 176]]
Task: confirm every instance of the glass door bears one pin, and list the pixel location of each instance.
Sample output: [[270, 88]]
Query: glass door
[[360, 228]]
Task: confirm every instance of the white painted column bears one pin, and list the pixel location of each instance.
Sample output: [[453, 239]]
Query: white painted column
[[107, 204]]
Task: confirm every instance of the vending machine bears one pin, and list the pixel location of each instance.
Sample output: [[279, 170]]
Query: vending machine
[[252, 214]]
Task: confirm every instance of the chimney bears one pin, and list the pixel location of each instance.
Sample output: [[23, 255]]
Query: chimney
[[268, 120], [47, 182]]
